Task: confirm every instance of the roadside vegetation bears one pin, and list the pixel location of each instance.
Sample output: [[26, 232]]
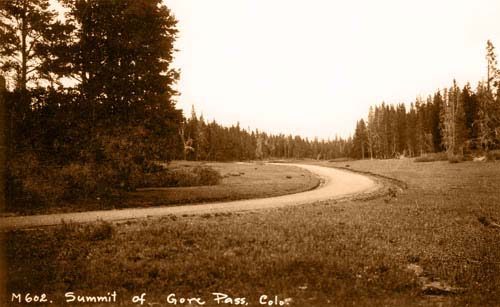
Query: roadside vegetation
[[370, 252], [431, 157], [38, 188], [76, 188], [238, 181]]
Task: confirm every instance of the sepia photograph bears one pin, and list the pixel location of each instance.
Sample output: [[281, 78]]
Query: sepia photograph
[[249, 153]]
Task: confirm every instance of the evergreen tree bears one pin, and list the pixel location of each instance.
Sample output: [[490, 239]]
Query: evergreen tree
[[435, 121], [27, 29], [488, 119], [487, 123], [371, 132], [401, 129], [412, 131], [191, 134], [454, 122], [360, 140], [470, 109], [492, 77], [121, 54]]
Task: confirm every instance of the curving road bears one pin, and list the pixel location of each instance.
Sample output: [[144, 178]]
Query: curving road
[[336, 184]]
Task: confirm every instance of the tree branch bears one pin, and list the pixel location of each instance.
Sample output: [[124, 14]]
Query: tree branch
[[35, 40]]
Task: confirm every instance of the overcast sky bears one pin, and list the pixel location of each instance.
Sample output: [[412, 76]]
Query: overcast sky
[[314, 67]]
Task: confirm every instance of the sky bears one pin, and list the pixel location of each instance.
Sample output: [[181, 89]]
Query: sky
[[314, 67]]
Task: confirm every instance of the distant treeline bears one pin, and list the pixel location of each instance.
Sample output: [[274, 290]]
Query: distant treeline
[[456, 120], [211, 141]]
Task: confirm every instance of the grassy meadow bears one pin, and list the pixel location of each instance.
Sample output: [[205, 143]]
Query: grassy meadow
[[357, 252]]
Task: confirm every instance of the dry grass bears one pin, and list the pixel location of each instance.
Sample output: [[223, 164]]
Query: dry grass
[[329, 254]]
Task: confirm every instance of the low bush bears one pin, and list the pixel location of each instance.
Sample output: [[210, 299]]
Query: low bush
[[340, 160], [493, 155], [100, 231], [431, 157], [32, 185], [207, 175], [83, 181], [29, 184], [111, 163], [452, 158]]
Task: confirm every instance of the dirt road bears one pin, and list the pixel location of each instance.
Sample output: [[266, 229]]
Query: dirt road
[[336, 184]]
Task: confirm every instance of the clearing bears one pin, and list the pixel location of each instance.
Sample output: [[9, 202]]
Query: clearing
[[369, 252]]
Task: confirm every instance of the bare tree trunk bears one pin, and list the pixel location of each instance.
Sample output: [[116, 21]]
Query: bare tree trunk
[[3, 141], [3, 160], [183, 140]]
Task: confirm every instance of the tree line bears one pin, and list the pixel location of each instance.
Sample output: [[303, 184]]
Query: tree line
[[211, 141], [458, 121], [100, 73]]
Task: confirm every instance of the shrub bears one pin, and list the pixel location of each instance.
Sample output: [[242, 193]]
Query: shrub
[[452, 158], [111, 161], [207, 175], [340, 160], [31, 184], [88, 180], [493, 155], [28, 184], [79, 181], [431, 157], [100, 231]]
